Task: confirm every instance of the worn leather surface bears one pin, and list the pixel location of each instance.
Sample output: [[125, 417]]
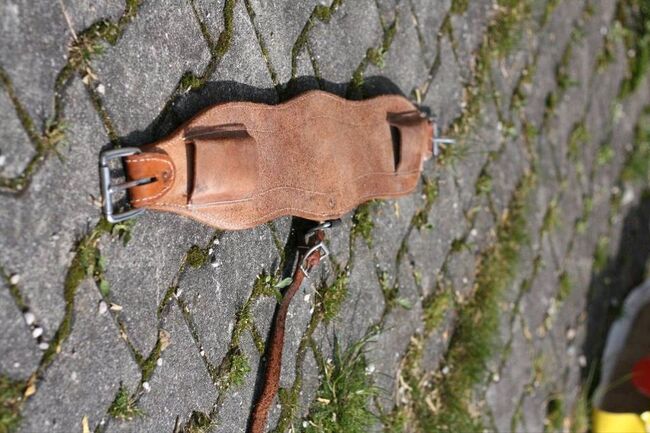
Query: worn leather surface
[[240, 164]]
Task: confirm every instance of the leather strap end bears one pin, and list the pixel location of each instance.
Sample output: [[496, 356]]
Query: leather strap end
[[149, 165]]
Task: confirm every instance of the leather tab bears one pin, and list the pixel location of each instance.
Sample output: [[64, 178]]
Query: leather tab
[[149, 165], [225, 166]]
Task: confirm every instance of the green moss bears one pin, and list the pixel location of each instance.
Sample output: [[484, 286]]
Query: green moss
[[474, 339], [376, 56], [362, 223], [124, 406], [459, 7], [484, 183], [583, 222], [430, 189], [199, 422], [331, 298], [566, 287], [634, 15], [189, 81], [554, 415], [601, 255], [605, 154], [239, 369], [552, 217], [11, 399], [435, 307], [346, 390], [507, 26], [637, 164], [578, 138], [196, 257], [148, 364]]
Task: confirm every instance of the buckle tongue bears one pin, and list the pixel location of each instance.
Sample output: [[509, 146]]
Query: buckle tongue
[[107, 188]]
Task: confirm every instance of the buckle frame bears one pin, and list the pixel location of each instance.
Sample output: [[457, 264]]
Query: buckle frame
[[107, 188]]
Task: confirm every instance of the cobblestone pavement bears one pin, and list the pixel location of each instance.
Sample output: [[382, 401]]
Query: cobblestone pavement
[[467, 301]]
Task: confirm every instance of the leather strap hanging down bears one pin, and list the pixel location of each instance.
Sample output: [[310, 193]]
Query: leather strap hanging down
[[237, 165], [308, 258]]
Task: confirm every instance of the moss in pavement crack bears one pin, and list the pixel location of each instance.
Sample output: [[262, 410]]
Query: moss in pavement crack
[[124, 406], [474, 338], [11, 401]]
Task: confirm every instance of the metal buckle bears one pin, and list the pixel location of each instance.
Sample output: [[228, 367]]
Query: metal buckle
[[437, 139], [324, 253], [107, 189]]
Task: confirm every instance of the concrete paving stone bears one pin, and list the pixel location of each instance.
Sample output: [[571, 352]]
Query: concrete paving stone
[[142, 70], [468, 30], [140, 272], [503, 394], [429, 17], [280, 23], [15, 148], [554, 39], [19, 353], [340, 45], [310, 383], [241, 75], [428, 247], [387, 349], [404, 63], [42, 225], [32, 59], [388, 10], [534, 411], [460, 269], [85, 375], [482, 139], [444, 97], [362, 307], [483, 233], [392, 219], [338, 241], [238, 402], [507, 171], [215, 292], [536, 302], [180, 385]]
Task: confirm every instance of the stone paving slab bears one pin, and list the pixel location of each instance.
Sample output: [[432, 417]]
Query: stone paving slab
[[172, 315]]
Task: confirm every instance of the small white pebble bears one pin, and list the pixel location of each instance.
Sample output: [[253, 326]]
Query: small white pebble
[[570, 334], [37, 332], [179, 292], [202, 352], [146, 386], [307, 297], [73, 375], [604, 30], [445, 370], [15, 279], [216, 241], [101, 89], [29, 318], [159, 362], [473, 233], [582, 361], [16, 364], [305, 424], [43, 345], [102, 308], [370, 369], [3, 160], [210, 251], [496, 377]]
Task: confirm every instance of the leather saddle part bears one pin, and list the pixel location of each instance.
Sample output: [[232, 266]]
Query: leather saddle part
[[240, 164]]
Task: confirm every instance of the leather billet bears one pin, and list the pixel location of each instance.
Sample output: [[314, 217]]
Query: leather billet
[[240, 164]]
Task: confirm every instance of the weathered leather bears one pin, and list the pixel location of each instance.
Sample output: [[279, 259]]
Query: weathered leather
[[237, 165]]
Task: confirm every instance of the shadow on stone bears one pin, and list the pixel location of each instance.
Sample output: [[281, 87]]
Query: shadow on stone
[[611, 285]]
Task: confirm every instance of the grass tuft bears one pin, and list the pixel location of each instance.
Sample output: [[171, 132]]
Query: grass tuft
[[346, 390], [331, 298], [124, 406]]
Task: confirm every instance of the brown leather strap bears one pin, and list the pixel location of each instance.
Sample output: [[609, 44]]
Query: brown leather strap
[[240, 164], [306, 261]]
